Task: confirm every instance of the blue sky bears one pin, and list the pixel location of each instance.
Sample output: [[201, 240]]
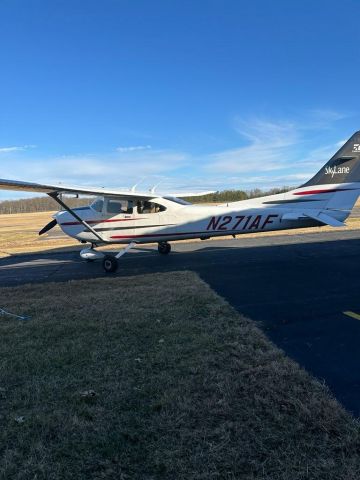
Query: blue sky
[[204, 94]]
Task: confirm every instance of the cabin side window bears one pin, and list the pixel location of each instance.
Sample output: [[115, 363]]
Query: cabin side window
[[119, 206], [143, 206]]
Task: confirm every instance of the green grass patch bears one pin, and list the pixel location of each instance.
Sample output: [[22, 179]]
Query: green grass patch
[[156, 377]]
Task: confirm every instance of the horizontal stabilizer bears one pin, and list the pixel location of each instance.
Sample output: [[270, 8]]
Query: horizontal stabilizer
[[315, 215], [326, 220]]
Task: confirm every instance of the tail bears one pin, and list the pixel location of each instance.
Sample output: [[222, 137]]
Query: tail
[[343, 167], [328, 196], [336, 186]]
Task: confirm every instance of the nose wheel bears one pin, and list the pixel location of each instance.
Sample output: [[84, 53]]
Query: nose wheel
[[164, 248]]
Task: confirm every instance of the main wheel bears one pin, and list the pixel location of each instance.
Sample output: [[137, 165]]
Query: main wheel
[[110, 264], [164, 248]]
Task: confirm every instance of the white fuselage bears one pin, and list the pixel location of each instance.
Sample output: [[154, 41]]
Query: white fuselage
[[178, 221]]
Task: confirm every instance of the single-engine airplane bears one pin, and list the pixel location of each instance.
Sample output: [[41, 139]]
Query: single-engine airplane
[[131, 218]]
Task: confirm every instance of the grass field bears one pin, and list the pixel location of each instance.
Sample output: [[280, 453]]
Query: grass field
[[19, 233], [180, 387]]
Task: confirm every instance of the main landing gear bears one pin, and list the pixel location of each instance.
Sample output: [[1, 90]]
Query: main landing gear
[[164, 248], [110, 262]]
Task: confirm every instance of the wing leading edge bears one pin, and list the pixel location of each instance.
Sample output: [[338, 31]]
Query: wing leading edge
[[60, 188], [18, 185]]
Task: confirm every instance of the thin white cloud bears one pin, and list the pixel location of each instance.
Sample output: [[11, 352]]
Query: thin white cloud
[[134, 148], [258, 131], [110, 170], [276, 145], [340, 143], [16, 149], [10, 149], [269, 148], [323, 119], [318, 156]]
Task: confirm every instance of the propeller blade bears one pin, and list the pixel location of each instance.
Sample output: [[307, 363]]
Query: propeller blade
[[48, 227]]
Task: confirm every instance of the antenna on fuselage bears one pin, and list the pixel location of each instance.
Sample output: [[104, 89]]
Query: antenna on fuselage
[[133, 188], [152, 189]]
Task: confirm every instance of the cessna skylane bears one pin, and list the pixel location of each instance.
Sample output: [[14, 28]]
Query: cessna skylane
[[132, 218]]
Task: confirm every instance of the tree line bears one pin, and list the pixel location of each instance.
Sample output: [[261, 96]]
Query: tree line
[[39, 204], [44, 204], [225, 196]]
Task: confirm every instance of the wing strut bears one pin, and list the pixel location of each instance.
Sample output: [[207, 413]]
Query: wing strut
[[55, 196]]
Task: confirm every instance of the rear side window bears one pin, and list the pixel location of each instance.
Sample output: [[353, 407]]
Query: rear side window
[[149, 207]]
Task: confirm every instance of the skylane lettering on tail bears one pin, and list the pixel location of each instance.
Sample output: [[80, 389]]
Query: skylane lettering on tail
[[336, 170], [129, 217]]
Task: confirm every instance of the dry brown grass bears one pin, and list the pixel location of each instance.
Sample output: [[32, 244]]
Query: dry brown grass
[[19, 234], [185, 389]]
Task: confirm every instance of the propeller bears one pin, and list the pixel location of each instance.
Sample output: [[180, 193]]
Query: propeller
[[48, 227]]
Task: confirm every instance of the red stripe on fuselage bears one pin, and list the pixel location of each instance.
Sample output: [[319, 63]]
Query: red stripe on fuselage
[[329, 190]]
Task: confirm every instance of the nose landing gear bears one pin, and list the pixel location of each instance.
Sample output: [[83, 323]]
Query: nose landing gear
[[164, 248]]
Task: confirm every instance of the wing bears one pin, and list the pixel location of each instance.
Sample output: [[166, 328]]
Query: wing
[[60, 188]]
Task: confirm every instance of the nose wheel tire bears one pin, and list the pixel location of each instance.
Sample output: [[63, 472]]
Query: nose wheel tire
[[164, 248], [110, 264]]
